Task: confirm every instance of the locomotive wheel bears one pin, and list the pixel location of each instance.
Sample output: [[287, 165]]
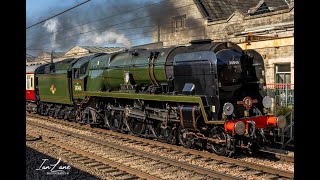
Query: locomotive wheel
[[61, 114], [115, 121], [51, 113], [72, 116], [86, 116], [218, 133], [45, 112], [184, 139], [34, 110], [89, 116], [136, 126], [107, 117], [78, 116], [169, 134]]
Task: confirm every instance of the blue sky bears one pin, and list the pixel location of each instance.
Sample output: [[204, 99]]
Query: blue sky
[[37, 10]]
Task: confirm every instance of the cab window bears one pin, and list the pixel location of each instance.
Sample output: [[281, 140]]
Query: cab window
[[83, 69], [76, 74]]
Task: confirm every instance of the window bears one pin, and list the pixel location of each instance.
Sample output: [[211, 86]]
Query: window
[[178, 23], [83, 69], [283, 73], [28, 82], [76, 74], [31, 82], [283, 88]]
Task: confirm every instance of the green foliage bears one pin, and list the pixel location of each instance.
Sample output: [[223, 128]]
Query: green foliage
[[282, 110]]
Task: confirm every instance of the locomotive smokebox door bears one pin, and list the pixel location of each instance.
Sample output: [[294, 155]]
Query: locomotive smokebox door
[[196, 73]]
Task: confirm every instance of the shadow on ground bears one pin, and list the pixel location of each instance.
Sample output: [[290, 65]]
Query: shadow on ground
[[35, 160]]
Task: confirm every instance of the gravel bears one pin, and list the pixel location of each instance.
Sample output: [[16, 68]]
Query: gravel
[[287, 166], [36, 152], [116, 155], [236, 171]]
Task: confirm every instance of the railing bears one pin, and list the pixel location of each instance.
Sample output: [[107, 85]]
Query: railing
[[283, 104], [283, 94]]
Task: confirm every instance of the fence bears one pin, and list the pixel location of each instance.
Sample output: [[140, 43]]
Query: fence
[[282, 96]]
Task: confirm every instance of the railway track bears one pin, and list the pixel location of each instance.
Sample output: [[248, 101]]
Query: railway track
[[104, 165], [131, 156], [276, 156], [171, 149]]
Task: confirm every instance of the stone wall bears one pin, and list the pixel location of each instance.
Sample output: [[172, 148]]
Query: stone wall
[[278, 26], [194, 26]]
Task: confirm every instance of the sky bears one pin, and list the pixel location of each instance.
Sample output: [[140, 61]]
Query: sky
[[46, 8], [59, 34]]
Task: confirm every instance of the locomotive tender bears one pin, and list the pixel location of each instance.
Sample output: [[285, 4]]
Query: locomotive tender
[[208, 93]]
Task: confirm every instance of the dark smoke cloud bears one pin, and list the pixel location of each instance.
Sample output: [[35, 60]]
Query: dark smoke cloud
[[98, 9]]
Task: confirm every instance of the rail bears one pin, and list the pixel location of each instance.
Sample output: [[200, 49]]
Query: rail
[[209, 156]]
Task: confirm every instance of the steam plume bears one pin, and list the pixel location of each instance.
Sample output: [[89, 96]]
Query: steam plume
[[110, 36], [52, 26]]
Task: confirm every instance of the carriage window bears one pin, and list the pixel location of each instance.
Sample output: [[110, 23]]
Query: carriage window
[[28, 81], [31, 82]]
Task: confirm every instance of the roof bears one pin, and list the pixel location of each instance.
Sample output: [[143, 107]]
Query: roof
[[31, 69], [44, 55], [30, 58], [55, 54], [82, 50], [222, 9], [58, 54], [97, 49]]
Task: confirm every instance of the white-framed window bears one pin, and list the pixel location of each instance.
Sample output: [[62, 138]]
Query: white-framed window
[[283, 73], [30, 82]]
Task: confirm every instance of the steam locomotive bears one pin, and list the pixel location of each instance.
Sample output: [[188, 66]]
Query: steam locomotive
[[207, 93]]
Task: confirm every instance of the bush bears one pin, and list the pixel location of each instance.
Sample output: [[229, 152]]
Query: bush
[[282, 110]]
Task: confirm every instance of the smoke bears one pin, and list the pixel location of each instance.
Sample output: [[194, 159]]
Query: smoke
[[109, 36], [52, 27], [164, 13], [71, 30]]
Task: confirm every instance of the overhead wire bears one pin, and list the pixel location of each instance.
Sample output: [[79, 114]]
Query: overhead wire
[[81, 33], [139, 33], [107, 17], [217, 13], [58, 14]]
